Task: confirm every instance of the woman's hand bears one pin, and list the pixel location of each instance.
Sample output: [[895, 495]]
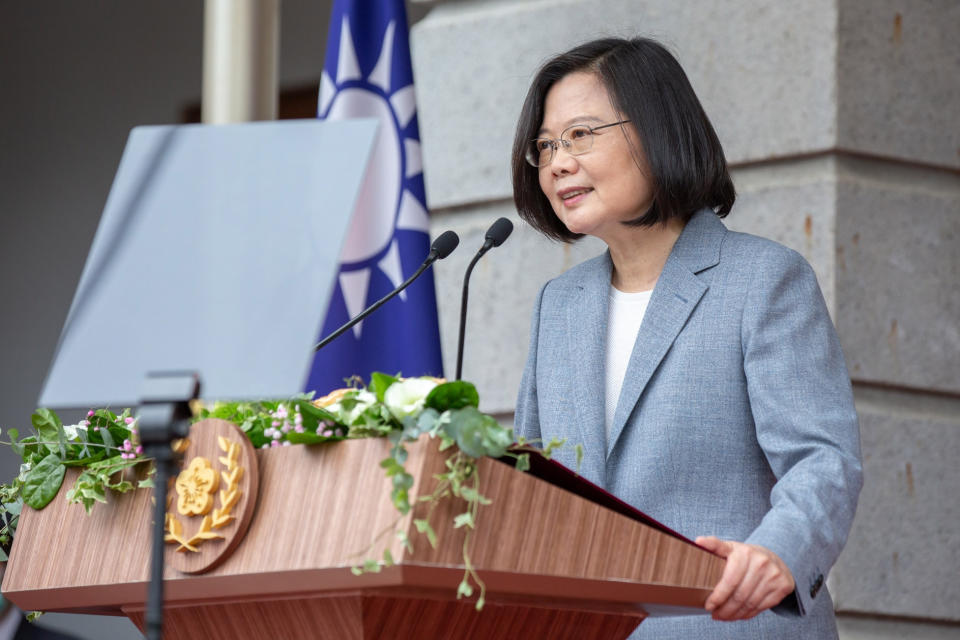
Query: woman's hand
[[754, 579]]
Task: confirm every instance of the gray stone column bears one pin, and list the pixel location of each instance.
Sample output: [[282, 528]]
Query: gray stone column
[[839, 118]]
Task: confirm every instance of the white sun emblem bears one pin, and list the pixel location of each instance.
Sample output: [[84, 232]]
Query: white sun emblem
[[386, 202]]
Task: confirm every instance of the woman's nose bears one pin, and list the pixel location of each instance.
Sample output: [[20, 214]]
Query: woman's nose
[[562, 162]]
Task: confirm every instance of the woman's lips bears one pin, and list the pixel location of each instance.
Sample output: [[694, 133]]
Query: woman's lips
[[571, 197]]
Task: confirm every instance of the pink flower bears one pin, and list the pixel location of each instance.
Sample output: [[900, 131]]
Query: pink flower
[[128, 420], [90, 414], [139, 449], [275, 443]]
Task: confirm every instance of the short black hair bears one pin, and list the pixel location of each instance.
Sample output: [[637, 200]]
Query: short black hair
[[649, 88]]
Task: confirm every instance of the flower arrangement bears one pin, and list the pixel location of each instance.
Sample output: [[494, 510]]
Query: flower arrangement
[[105, 444]]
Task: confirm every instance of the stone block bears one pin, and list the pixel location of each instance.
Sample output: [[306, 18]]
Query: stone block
[[856, 628], [503, 288], [765, 73], [903, 554], [793, 203], [898, 79], [898, 273]]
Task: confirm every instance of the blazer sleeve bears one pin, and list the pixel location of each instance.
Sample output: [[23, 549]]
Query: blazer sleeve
[[527, 416], [806, 424]]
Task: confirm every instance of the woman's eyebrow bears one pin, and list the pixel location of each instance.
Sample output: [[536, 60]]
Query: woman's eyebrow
[[572, 121]]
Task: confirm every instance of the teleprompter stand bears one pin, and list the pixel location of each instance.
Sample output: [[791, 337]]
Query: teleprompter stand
[[163, 416]]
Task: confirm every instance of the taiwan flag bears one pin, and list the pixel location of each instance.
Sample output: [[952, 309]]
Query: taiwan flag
[[368, 74]]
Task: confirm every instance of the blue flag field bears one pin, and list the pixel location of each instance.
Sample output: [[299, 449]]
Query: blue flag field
[[367, 74]]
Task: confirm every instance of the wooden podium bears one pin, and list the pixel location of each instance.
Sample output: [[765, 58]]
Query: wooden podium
[[555, 564]]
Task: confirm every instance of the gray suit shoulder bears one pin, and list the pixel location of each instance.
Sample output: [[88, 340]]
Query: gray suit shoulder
[[748, 249]]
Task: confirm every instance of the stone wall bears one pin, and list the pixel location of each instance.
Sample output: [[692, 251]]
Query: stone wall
[[840, 120]]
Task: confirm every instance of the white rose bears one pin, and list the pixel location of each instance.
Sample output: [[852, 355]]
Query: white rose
[[406, 397]]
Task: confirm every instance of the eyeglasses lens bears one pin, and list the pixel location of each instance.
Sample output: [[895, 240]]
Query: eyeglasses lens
[[575, 140]]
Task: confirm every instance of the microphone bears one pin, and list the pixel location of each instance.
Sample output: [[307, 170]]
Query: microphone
[[443, 246], [495, 236]]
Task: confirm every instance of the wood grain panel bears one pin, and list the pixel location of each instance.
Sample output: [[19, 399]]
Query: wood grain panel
[[425, 619], [320, 507], [334, 618]]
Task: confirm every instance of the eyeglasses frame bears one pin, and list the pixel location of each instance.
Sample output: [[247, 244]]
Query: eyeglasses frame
[[555, 143]]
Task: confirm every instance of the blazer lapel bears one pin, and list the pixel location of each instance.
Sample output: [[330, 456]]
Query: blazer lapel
[[586, 304], [676, 295]]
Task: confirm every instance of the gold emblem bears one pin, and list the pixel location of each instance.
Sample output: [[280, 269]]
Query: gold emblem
[[196, 486]]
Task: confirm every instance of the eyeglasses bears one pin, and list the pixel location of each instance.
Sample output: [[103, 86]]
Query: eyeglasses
[[576, 140]]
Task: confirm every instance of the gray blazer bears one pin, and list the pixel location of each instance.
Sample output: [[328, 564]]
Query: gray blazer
[[736, 417]]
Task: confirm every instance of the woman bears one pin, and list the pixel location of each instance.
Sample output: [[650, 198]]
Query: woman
[[698, 367]]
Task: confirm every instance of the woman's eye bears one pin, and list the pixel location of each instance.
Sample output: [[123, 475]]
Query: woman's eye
[[578, 133], [543, 145]]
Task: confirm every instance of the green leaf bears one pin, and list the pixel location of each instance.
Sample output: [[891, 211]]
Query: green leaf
[[379, 383], [403, 481], [308, 437], [401, 500], [308, 409], [357, 571], [146, 483], [523, 462], [578, 449], [480, 602], [371, 566], [427, 420], [387, 558], [49, 429], [43, 481], [497, 439], [405, 540], [464, 590], [463, 520], [423, 526], [452, 395]]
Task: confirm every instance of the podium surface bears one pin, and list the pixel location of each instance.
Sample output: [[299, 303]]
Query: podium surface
[[555, 565]]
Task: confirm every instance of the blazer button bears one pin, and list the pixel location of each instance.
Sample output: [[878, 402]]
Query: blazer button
[[815, 587]]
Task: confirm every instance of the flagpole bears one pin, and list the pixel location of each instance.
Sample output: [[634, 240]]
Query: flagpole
[[240, 59]]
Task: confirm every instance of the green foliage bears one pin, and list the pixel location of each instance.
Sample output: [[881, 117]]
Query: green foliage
[[96, 478], [453, 395], [51, 449], [379, 383], [43, 481], [447, 411]]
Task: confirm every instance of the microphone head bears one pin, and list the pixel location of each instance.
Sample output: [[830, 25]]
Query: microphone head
[[499, 231], [444, 245]]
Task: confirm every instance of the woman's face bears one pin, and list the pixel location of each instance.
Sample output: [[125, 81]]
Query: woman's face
[[594, 192]]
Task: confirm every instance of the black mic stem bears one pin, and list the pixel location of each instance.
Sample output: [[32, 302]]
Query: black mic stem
[[441, 248], [496, 234]]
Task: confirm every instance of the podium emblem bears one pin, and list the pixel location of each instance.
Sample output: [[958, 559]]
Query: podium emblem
[[212, 501]]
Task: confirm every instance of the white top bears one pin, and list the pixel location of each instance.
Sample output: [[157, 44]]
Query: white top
[[623, 322]]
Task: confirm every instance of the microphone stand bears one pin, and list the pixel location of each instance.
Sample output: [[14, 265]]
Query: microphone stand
[[164, 416], [487, 245], [376, 305], [498, 232], [441, 248]]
